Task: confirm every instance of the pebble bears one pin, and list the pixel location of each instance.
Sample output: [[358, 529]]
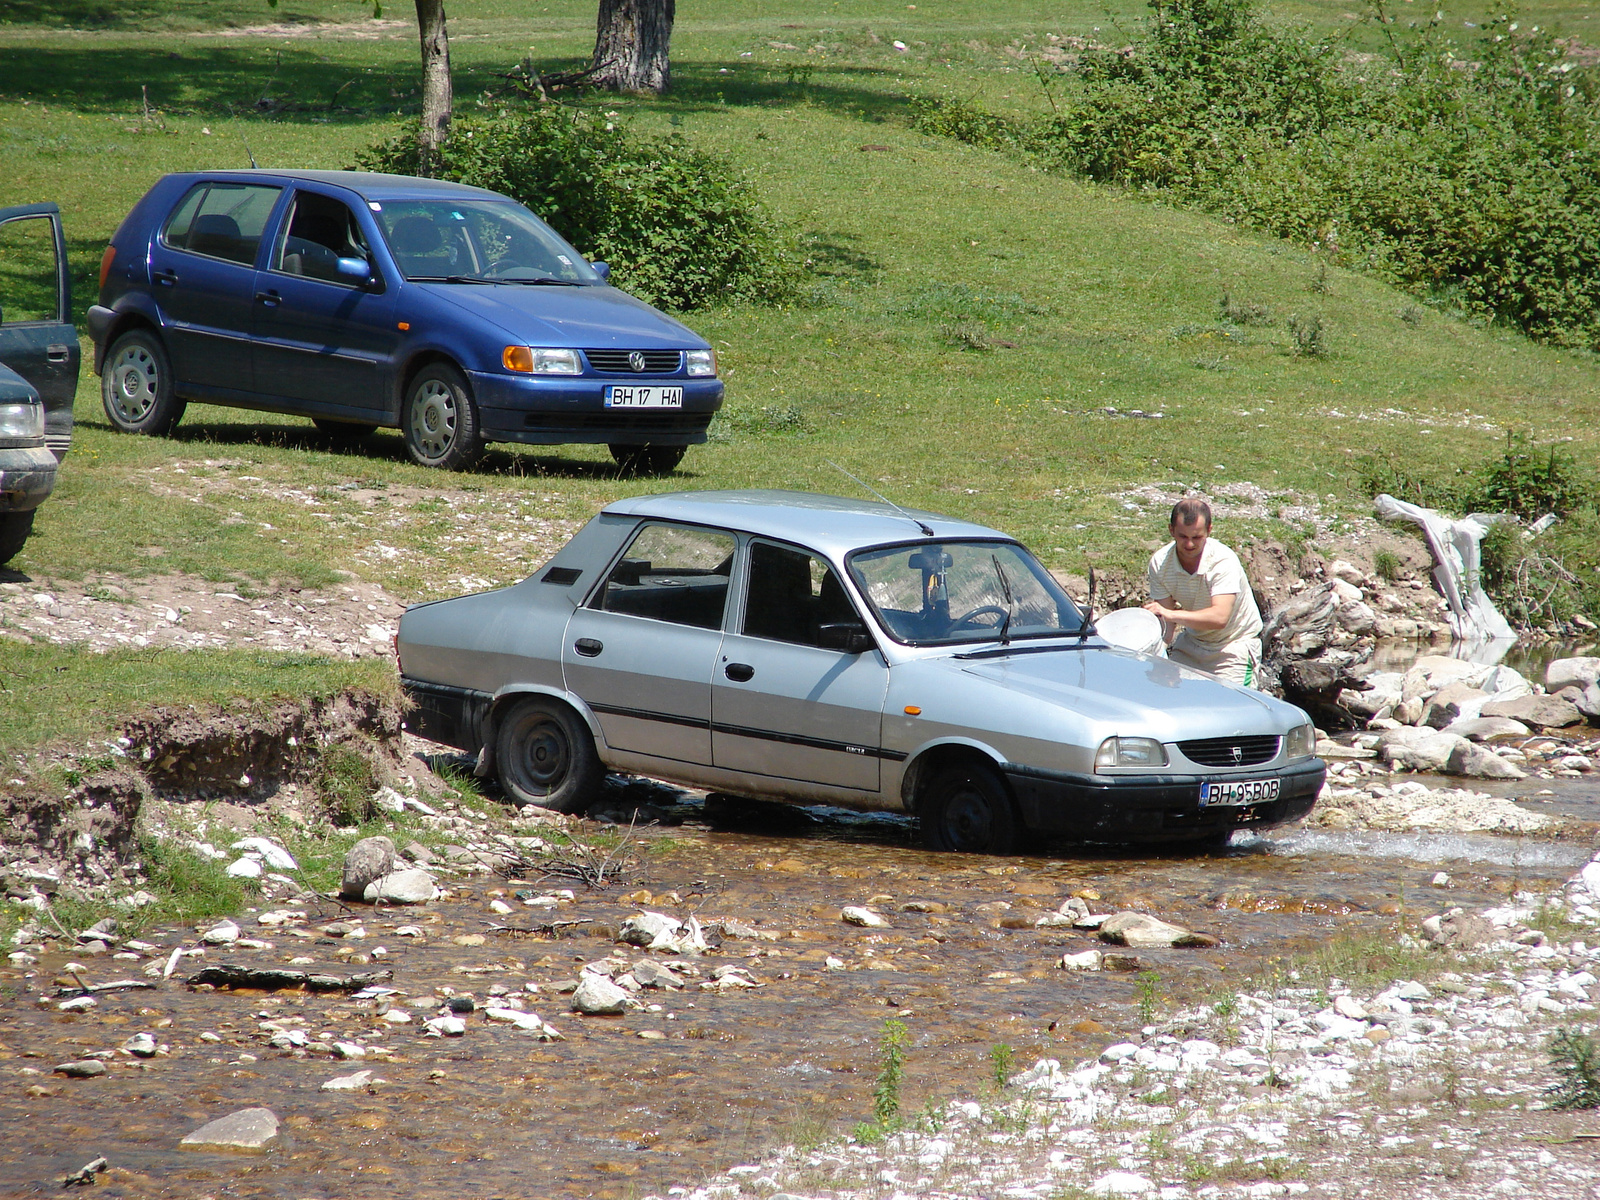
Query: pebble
[[865, 917], [79, 1004], [83, 1068], [249, 1131]]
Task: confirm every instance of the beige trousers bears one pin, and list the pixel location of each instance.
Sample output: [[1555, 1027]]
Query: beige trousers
[[1236, 662]]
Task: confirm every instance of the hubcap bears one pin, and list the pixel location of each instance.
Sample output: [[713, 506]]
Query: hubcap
[[134, 380], [544, 755], [433, 419], [968, 820]]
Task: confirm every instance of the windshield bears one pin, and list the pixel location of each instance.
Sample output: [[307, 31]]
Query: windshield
[[938, 593], [478, 241]]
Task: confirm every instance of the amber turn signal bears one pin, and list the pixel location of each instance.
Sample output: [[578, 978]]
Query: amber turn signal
[[913, 711], [106, 259], [517, 358]]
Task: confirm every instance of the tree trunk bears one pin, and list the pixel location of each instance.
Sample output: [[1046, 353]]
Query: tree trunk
[[436, 93], [631, 44]]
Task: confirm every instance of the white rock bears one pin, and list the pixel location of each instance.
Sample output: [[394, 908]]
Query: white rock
[[349, 1050], [1118, 1052], [1349, 1006], [79, 1004], [515, 1016], [401, 887], [397, 1016], [449, 1026], [221, 934], [856, 915], [1122, 1183], [350, 1083], [1571, 672], [274, 855], [248, 1131], [598, 996], [245, 868], [1087, 960]]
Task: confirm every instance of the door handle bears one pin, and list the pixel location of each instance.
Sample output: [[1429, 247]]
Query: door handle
[[588, 647], [739, 672], [270, 299], [56, 354], [165, 278]]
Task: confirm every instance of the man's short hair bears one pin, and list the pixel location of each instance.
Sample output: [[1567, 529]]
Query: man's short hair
[[1189, 511]]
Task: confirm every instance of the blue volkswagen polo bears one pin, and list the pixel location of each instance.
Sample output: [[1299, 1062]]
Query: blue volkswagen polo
[[360, 300]]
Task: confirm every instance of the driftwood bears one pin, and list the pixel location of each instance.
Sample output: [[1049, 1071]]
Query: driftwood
[[271, 979], [119, 985]]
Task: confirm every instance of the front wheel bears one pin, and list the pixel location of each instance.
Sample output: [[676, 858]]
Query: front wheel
[[14, 530], [646, 460], [969, 811], [136, 385], [544, 755], [441, 420]]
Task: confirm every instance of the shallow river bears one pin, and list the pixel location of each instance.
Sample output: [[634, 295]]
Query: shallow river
[[607, 1113]]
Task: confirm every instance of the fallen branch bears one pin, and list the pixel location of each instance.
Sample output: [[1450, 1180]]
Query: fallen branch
[[578, 861], [119, 985], [271, 979]]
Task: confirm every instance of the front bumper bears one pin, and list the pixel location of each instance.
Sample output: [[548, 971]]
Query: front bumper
[[1154, 808], [555, 409], [27, 477]]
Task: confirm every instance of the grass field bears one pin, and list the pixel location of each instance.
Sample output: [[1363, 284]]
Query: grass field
[[969, 323]]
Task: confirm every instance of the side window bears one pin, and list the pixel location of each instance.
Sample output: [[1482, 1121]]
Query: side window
[[792, 594], [319, 232], [28, 278], [226, 221], [675, 573]]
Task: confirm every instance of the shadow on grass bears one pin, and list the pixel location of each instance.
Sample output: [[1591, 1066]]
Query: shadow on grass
[[150, 15], [387, 447]]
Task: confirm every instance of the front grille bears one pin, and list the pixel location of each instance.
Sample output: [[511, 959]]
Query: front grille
[[1231, 752], [616, 362]]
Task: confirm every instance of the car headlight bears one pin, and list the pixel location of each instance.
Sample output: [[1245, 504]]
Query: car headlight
[[536, 360], [21, 421], [1300, 742], [1130, 752], [701, 362]]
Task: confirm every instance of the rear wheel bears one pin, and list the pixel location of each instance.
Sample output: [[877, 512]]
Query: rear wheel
[[647, 460], [968, 810], [544, 755], [343, 431], [14, 530], [136, 385], [440, 420]]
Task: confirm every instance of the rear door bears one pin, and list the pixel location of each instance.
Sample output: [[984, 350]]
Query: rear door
[[642, 652], [37, 339], [203, 274], [321, 339]]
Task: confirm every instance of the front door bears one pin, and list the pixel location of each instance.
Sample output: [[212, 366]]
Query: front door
[[321, 338], [781, 704], [642, 652], [37, 339], [203, 275]]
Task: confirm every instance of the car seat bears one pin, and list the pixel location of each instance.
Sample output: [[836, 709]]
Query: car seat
[[217, 234], [779, 603], [419, 247]]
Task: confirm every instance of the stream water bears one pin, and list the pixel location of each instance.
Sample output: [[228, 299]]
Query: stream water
[[611, 1113]]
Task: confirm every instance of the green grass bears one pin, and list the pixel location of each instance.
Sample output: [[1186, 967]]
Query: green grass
[[968, 322]]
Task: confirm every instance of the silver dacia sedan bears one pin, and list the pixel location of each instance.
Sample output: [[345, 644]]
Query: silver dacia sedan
[[814, 649]]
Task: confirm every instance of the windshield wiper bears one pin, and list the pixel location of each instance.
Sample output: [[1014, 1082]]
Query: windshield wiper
[[543, 281], [1005, 587]]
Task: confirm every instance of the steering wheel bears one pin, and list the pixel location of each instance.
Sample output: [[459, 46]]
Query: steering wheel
[[970, 618]]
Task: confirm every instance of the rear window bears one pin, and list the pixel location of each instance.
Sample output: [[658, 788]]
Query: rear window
[[221, 220]]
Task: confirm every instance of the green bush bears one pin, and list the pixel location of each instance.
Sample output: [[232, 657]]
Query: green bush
[[679, 227], [1470, 174]]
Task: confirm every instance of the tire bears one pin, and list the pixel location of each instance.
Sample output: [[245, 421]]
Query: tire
[[136, 386], [544, 755], [968, 810], [440, 420], [14, 530], [646, 460], [343, 431]]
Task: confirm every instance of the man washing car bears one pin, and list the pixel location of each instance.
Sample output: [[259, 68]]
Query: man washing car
[[1198, 588]]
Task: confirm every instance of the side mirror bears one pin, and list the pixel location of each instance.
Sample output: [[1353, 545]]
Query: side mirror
[[850, 637], [356, 270], [602, 269]]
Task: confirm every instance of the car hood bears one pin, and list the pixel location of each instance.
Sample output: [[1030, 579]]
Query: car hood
[[1137, 693], [579, 317]]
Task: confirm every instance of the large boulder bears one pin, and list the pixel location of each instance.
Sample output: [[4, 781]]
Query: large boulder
[[1589, 703], [401, 887], [598, 996], [1503, 683], [1451, 703], [1432, 671], [1547, 712], [365, 863], [1481, 729], [1478, 763], [1570, 672], [248, 1131], [1141, 932], [1418, 749], [1381, 695]]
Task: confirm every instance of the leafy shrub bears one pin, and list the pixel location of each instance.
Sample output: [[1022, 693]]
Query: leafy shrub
[[679, 227], [1576, 1060], [1529, 481], [1470, 174], [1386, 563], [344, 783], [1310, 337]]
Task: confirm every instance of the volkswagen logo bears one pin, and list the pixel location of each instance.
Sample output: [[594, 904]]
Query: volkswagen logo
[[636, 360], [1238, 755]]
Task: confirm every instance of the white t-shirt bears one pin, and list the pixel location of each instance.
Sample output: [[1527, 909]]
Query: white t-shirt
[[1219, 573]]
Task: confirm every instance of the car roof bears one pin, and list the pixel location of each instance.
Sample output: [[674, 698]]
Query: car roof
[[370, 185], [833, 524]]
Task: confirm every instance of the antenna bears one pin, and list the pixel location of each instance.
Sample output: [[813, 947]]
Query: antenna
[[247, 153], [922, 525], [1088, 610]]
